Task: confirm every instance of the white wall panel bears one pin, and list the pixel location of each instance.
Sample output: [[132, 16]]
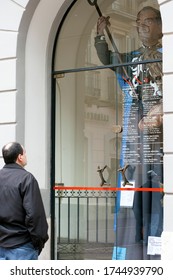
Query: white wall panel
[[167, 53], [23, 3], [8, 74], [7, 134], [168, 174], [167, 89], [10, 15], [166, 11], [7, 107], [8, 44], [168, 135]]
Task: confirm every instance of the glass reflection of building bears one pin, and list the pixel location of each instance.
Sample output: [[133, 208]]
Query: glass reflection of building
[[99, 104]]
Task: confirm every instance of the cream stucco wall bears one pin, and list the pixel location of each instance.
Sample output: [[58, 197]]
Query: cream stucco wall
[[27, 35]]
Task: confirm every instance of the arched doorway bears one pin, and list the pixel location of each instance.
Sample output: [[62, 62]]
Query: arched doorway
[[98, 135]]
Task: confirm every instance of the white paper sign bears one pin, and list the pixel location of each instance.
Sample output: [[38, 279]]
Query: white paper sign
[[127, 197], [154, 245]]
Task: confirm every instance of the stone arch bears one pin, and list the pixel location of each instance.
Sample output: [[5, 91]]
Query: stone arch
[[34, 61]]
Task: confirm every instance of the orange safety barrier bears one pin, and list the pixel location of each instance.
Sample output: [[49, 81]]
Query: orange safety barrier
[[86, 188]]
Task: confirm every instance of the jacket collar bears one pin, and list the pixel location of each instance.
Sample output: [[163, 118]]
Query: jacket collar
[[13, 165]]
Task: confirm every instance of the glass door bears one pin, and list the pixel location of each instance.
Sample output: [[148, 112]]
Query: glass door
[[87, 158], [108, 132]]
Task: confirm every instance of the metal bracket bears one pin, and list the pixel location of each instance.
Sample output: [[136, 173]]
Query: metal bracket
[[58, 76]]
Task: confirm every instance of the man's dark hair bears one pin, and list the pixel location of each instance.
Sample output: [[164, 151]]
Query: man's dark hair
[[11, 151], [157, 12]]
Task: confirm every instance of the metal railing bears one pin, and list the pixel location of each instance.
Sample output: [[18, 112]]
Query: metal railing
[[84, 224]]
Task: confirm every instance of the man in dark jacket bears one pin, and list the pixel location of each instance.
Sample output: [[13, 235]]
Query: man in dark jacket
[[23, 225]]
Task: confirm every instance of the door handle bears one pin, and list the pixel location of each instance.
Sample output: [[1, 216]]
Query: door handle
[[123, 170]]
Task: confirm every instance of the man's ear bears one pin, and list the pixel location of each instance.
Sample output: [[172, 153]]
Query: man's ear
[[19, 158]]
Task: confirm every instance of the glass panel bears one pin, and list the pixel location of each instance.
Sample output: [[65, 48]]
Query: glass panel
[[141, 163], [77, 36], [87, 155], [109, 134], [142, 155], [86, 122]]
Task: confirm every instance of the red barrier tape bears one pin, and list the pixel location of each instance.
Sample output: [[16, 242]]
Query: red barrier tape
[[78, 188]]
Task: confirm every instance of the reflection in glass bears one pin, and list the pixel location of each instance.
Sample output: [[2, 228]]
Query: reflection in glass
[[142, 136], [107, 119]]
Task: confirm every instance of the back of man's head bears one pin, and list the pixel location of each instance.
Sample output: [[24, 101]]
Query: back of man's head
[[11, 151]]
